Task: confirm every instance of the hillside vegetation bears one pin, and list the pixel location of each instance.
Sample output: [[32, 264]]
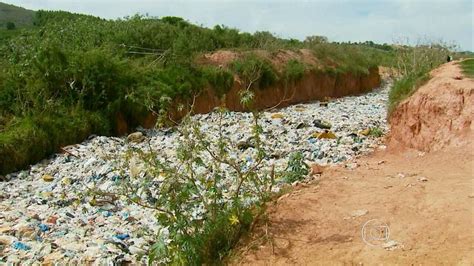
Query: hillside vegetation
[[19, 16], [468, 67], [71, 74]]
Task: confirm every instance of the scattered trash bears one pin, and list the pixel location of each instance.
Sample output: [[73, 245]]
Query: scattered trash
[[320, 124], [277, 116], [20, 246], [48, 178], [43, 227], [122, 236], [391, 245], [401, 175], [365, 132], [301, 125], [73, 224], [359, 213], [52, 219], [325, 135]]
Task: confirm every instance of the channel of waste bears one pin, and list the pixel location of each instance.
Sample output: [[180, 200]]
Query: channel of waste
[[46, 217]]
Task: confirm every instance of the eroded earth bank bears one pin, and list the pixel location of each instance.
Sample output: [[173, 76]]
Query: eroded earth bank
[[420, 188]]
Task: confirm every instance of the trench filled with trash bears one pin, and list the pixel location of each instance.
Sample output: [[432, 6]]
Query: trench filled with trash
[[45, 215]]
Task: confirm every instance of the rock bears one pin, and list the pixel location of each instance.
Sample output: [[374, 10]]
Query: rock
[[136, 137], [48, 178], [316, 169], [423, 179], [352, 165], [359, 213]]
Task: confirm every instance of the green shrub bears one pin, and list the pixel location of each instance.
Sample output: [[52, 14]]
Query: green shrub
[[221, 80], [293, 71], [413, 65], [137, 64], [256, 71], [468, 67], [376, 132], [297, 169], [404, 87], [27, 140], [10, 26]]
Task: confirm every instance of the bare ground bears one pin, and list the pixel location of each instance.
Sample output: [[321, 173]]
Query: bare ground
[[426, 200]]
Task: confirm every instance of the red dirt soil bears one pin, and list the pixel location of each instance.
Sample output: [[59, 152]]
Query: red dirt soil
[[438, 114], [426, 199]]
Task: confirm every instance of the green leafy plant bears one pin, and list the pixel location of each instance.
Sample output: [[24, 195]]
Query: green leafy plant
[[256, 72], [297, 169], [376, 132]]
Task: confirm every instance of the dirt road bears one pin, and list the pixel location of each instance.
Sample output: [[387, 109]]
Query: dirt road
[[426, 200]]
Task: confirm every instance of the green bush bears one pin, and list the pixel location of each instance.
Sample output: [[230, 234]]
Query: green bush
[[137, 64], [221, 80], [256, 71], [10, 26], [297, 169], [468, 67], [293, 71], [404, 87], [30, 139]]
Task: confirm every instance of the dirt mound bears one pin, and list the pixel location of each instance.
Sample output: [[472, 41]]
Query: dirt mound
[[439, 114], [278, 58]]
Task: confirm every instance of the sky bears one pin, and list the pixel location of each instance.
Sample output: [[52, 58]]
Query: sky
[[382, 21]]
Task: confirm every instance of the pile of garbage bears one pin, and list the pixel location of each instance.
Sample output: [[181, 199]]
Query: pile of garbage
[[47, 216]]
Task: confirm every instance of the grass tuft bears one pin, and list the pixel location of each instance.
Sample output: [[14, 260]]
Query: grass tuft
[[468, 67]]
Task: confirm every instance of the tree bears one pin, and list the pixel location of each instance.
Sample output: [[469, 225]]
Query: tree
[[316, 39], [10, 26]]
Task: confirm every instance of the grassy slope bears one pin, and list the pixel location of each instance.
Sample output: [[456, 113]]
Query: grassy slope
[[35, 108], [468, 67], [23, 18], [18, 15]]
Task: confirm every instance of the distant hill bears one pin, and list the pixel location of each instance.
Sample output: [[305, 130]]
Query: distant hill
[[20, 16]]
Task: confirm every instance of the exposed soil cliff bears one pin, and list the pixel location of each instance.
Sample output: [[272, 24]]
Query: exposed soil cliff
[[315, 85], [439, 114]]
